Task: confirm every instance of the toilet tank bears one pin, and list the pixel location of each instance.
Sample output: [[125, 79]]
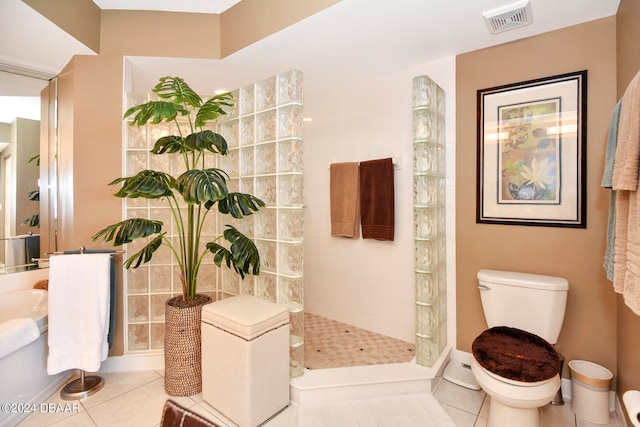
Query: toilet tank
[[530, 302]]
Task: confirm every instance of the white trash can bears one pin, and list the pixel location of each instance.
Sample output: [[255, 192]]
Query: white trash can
[[245, 358], [590, 385]]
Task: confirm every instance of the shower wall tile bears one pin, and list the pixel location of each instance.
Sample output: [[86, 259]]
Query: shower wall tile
[[247, 100], [290, 258], [137, 337], [137, 279], [136, 137], [268, 255], [230, 163], [157, 336], [157, 306], [266, 287], [266, 189], [290, 87], [158, 131], [266, 129], [247, 161], [138, 308], [290, 121], [291, 293], [290, 155], [230, 281], [266, 223], [160, 278], [230, 130], [266, 158], [136, 162], [266, 94], [291, 223], [247, 130], [291, 191]]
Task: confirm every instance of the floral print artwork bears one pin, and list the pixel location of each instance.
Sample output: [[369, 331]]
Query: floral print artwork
[[529, 153]]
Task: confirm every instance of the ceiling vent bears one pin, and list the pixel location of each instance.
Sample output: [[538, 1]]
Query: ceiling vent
[[508, 17]]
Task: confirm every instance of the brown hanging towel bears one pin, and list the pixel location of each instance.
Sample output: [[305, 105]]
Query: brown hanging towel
[[344, 199], [377, 199]]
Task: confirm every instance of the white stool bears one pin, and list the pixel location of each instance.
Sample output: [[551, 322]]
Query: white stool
[[245, 358]]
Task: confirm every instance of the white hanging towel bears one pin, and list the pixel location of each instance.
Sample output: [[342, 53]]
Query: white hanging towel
[[78, 312]]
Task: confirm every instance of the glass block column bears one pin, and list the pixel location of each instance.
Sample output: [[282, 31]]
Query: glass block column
[[429, 193], [265, 158]]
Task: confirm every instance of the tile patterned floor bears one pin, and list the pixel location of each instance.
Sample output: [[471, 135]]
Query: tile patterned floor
[[135, 399], [332, 344]]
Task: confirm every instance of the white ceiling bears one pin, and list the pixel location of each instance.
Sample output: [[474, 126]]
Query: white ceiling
[[197, 6], [354, 39]]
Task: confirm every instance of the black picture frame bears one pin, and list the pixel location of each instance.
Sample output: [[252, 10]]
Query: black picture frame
[[531, 153]]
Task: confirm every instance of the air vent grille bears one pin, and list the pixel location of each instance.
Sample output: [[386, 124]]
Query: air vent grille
[[508, 17]]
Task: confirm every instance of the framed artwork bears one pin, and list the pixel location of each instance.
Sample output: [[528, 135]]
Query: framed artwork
[[531, 152]]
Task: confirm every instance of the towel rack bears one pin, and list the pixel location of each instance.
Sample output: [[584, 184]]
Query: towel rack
[[397, 162], [82, 250], [85, 385], [82, 387]]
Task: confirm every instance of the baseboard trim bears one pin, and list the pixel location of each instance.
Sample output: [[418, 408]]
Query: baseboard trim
[[134, 362]]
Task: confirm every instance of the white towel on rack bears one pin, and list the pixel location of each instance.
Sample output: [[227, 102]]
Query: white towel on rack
[[78, 312], [16, 333]]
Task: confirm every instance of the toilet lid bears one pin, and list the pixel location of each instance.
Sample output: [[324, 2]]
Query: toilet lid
[[516, 354]]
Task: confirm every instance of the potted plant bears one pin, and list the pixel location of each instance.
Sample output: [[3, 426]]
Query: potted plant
[[191, 197]]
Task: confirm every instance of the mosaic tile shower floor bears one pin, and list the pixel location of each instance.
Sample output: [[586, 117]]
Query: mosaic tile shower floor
[[332, 344]]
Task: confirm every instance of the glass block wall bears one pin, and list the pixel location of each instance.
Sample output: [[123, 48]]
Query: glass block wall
[[264, 135], [429, 193]]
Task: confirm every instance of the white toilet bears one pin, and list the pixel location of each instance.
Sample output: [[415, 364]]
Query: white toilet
[[514, 361]]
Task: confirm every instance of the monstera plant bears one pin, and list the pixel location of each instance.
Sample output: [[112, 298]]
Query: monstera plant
[[193, 195]]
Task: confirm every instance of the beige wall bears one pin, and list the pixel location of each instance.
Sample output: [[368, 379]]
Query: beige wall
[[166, 34], [90, 155], [628, 64], [79, 18], [589, 330], [263, 17]]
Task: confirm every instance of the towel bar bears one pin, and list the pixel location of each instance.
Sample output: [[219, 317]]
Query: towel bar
[[397, 162]]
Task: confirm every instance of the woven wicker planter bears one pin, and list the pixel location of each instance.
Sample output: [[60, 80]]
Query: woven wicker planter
[[182, 350]]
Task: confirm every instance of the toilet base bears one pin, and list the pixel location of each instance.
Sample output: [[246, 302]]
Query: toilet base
[[501, 415]]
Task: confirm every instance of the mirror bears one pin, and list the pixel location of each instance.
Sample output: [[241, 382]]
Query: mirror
[[19, 167]]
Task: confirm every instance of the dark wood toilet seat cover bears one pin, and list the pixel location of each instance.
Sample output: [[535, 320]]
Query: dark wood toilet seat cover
[[516, 354]]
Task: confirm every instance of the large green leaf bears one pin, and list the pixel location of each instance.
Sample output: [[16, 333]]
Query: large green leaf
[[128, 230], [34, 195], [201, 186], [168, 144], [212, 109], [155, 112], [239, 204], [206, 140], [176, 88], [243, 256], [147, 184], [145, 254]]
